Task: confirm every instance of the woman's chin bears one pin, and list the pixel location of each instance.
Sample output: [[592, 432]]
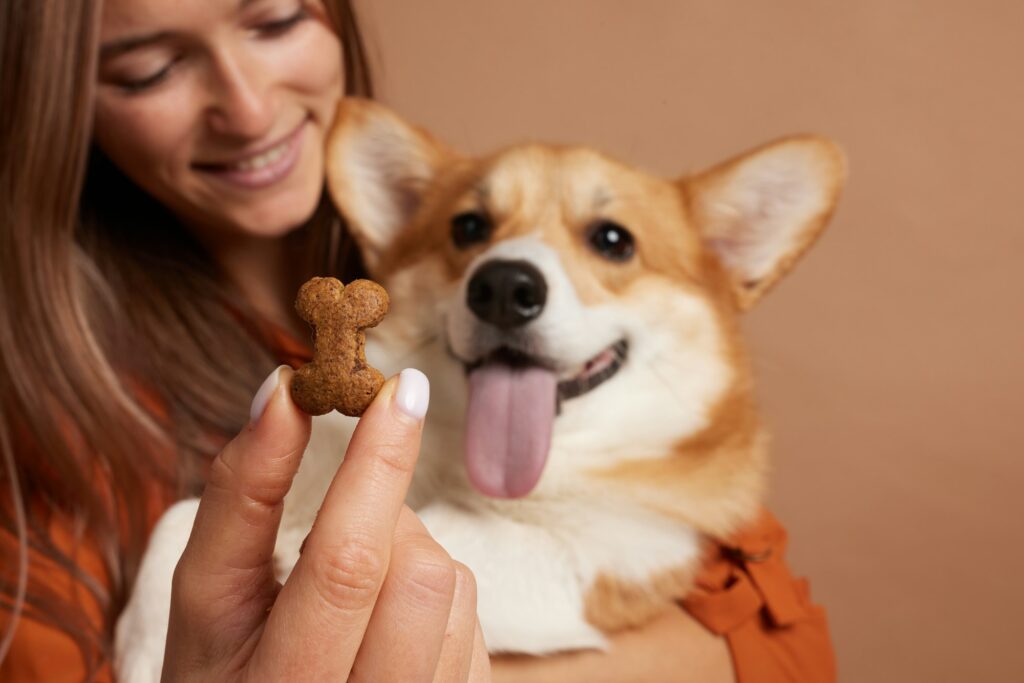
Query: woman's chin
[[271, 225], [266, 219]]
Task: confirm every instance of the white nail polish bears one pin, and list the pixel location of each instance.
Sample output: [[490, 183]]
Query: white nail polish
[[259, 402], [413, 393]]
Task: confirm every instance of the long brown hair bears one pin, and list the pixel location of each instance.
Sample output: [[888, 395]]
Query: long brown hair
[[107, 313]]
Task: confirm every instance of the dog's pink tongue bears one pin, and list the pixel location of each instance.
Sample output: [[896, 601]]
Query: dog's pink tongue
[[508, 427]]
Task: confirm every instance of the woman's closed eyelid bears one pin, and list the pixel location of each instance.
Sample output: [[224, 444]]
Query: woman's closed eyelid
[[131, 84], [272, 28], [279, 26]]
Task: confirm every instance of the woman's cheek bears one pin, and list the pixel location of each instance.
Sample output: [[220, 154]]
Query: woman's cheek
[[326, 52], [150, 137], [313, 68]]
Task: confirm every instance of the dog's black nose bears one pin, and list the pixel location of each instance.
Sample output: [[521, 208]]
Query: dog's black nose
[[507, 293]]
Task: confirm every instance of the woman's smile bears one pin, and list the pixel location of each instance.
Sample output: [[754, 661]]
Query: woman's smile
[[262, 168]]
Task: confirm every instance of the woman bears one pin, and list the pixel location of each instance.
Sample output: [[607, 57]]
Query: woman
[[162, 201]]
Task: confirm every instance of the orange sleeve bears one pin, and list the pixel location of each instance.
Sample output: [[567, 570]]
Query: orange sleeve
[[41, 652], [747, 594]]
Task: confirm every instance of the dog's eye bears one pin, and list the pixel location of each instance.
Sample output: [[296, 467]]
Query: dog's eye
[[470, 227], [612, 241]]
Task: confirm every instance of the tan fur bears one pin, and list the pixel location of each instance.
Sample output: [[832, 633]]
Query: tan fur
[[614, 604], [712, 480], [727, 461]]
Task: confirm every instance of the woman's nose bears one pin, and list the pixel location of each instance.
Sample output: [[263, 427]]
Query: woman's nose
[[241, 100]]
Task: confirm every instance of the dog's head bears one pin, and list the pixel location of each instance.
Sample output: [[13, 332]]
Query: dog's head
[[587, 309]]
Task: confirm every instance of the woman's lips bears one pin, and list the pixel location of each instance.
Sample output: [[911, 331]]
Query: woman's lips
[[261, 170]]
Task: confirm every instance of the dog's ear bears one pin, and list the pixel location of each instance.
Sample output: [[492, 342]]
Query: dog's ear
[[761, 210], [377, 169]]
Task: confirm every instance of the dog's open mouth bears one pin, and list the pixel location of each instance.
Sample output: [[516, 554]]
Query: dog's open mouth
[[584, 379], [595, 372], [513, 401]]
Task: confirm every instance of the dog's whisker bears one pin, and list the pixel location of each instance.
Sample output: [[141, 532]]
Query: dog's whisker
[[650, 365]]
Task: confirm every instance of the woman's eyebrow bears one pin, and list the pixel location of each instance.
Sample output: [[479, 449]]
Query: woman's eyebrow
[[122, 45]]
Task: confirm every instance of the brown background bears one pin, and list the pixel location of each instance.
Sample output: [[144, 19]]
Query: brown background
[[890, 361]]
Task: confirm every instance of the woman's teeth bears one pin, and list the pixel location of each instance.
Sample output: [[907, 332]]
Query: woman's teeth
[[262, 160], [262, 170]]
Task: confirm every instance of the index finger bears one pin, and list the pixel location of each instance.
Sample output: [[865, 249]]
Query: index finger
[[321, 614], [236, 525]]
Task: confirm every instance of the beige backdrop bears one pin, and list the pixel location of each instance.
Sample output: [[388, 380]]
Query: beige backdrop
[[890, 360]]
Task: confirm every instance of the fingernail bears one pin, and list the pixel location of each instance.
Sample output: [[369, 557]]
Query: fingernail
[[413, 393], [259, 402]]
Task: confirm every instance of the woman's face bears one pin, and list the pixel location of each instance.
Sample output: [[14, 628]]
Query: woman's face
[[218, 108]]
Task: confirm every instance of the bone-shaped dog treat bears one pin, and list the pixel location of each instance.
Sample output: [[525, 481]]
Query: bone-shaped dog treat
[[339, 377]]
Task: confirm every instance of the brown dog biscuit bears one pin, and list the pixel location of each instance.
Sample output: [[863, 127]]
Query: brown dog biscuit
[[338, 378]]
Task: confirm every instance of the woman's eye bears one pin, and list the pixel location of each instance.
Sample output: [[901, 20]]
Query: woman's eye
[[135, 85], [611, 240], [276, 28], [469, 228]]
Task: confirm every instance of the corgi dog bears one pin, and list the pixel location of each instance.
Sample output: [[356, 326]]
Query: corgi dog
[[593, 426]]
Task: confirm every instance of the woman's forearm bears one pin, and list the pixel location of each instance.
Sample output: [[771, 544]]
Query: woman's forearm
[[674, 648]]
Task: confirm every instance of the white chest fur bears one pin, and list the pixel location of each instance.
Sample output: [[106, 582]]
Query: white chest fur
[[533, 578], [534, 561]]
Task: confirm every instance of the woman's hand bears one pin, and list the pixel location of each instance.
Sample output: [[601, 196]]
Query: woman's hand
[[373, 596], [673, 648]]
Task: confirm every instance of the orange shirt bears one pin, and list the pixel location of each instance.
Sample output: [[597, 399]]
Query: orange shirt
[[746, 593], [40, 652]]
